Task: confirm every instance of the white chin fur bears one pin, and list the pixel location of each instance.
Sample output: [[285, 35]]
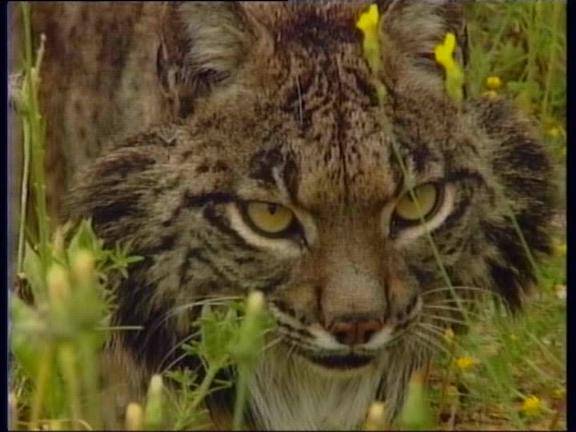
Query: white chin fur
[[288, 393]]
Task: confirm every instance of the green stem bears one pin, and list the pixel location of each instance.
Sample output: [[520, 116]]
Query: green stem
[[67, 360], [431, 241], [202, 390], [241, 397], [533, 31], [42, 378], [550, 69], [88, 355], [447, 373], [36, 136], [524, 242], [23, 197]]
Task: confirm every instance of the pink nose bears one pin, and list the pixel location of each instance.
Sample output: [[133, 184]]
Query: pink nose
[[355, 332]]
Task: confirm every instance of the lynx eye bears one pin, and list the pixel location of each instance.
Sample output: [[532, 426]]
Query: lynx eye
[[427, 198], [269, 219]]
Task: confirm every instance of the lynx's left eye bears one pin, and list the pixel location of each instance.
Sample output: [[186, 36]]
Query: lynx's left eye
[[268, 219], [422, 204]]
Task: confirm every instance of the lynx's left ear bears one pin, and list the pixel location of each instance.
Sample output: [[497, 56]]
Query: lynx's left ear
[[415, 27]]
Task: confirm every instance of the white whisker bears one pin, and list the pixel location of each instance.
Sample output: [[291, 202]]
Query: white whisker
[[456, 288], [445, 319], [431, 344]]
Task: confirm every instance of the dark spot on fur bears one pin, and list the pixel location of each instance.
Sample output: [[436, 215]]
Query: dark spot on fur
[[263, 163], [191, 200], [202, 169], [220, 166], [244, 260]]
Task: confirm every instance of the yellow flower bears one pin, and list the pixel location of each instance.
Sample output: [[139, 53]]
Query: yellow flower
[[444, 54], [368, 21], [559, 393], [368, 24], [493, 82], [555, 132], [531, 405], [465, 362]]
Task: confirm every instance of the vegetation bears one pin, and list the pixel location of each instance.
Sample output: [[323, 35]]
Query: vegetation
[[502, 374]]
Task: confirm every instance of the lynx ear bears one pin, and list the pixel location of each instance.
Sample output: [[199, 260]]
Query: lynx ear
[[417, 26], [202, 45]]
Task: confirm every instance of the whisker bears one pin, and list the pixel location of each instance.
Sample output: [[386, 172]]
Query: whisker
[[174, 362], [186, 307], [204, 301], [441, 306], [453, 301], [273, 343], [452, 309], [440, 331], [292, 335], [423, 342], [439, 334], [430, 344], [178, 345], [445, 319], [291, 350], [463, 288]]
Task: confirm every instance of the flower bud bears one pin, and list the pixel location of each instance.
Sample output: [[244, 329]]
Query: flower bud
[[154, 403], [254, 303], [83, 266], [134, 417], [376, 419], [58, 284]]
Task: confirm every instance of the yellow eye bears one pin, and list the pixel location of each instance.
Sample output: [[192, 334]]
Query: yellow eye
[[427, 198], [268, 218]]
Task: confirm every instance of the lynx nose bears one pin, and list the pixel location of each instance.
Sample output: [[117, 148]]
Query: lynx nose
[[355, 332]]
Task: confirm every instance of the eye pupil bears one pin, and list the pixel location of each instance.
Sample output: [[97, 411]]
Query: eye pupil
[[272, 209]]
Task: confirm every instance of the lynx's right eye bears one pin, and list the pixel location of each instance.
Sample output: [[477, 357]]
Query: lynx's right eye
[[268, 219]]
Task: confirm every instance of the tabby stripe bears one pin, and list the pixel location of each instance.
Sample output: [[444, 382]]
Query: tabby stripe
[[204, 199], [292, 330], [217, 221], [197, 254]]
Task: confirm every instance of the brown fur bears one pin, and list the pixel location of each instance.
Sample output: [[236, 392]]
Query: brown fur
[[275, 102]]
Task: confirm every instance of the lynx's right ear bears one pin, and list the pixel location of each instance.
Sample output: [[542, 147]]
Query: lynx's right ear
[[202, 46]]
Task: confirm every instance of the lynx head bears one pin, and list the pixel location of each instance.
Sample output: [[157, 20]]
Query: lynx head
[[285, 174]]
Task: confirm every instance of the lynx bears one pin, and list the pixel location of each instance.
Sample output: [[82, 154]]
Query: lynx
[[279, 174]]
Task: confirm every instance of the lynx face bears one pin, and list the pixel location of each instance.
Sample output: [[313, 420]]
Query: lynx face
[[283, 178]]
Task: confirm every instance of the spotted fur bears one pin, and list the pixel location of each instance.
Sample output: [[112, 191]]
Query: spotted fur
[[277, 105]]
